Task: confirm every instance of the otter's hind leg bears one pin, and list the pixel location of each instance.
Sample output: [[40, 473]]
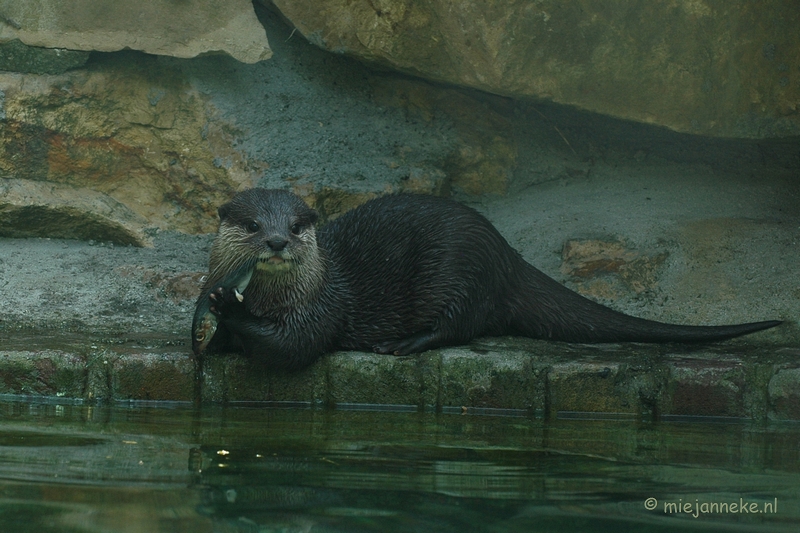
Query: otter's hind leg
[[463, 316], [446, 334], [414, 344]]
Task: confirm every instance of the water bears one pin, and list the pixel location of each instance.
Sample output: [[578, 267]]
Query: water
[[75, 468]]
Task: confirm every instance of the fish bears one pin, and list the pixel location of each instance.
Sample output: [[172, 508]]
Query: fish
[[205, 322]]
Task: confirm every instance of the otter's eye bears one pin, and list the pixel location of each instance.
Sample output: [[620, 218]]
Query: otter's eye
[[296, 228], [252, 226]]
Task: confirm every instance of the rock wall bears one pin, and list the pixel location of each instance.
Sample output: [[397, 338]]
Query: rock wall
[[125, 128], [181, 29], [711, 67], [124, 144], [165, 141]]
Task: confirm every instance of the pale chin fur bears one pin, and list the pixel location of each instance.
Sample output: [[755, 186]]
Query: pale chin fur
[[275, 263]]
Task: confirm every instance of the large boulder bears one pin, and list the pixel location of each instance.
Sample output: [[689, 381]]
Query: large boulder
[[165, 27], [725, 68]]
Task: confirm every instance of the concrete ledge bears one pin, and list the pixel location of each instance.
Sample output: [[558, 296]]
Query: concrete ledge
[[541, 378]]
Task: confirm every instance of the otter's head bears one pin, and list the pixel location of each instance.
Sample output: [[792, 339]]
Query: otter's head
[[274, 228]]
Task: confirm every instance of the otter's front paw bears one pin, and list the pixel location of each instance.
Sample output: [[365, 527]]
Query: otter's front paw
[[225, 301]]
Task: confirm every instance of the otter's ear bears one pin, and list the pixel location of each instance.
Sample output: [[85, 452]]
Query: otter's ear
[[313, 216], [223, 211]]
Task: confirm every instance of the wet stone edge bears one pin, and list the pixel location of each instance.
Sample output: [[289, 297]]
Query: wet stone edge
[[541, 379]]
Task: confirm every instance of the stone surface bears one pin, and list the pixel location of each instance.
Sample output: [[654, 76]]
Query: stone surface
[[43, 372], [784, 392], [600, 267], [589, 387], [357, 377], [38, 209], [707, 388], [712, 67], [124, 145], [164, 27], [485, 377], [235, 379], [486, 153], [17, 57], [537, 378], [152, 376]]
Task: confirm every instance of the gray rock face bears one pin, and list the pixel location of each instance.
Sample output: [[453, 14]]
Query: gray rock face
[[129, 130], [715, 67], [17, 57], [37, 209], [181, 29]]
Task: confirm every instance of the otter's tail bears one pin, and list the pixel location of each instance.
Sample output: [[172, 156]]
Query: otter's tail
[[542, 308]]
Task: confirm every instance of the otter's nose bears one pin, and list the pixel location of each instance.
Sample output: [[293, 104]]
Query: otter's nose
[[276, 244]]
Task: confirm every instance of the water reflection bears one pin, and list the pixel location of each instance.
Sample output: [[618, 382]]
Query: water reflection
[[85, 469]]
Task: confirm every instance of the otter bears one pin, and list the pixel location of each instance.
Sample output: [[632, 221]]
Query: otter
[[397, 275]]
